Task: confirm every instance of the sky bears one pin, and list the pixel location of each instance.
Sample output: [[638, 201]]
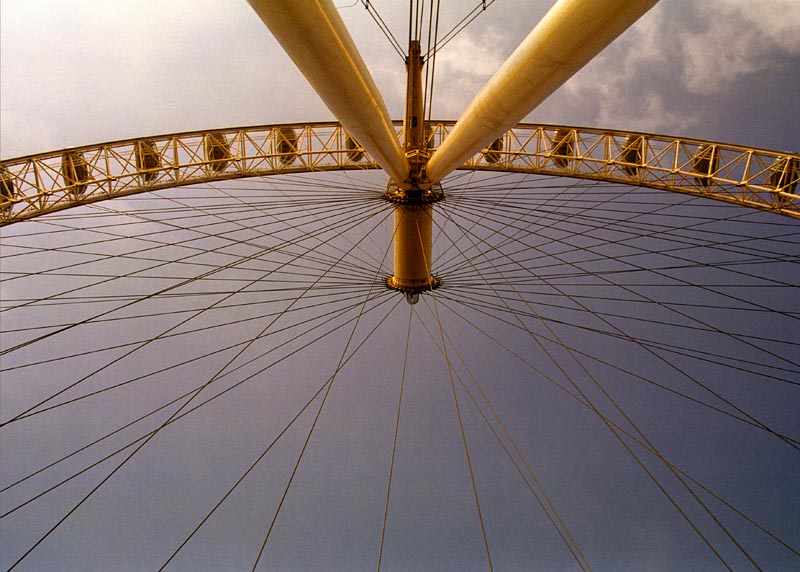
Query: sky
[[88, 71], [723, 70]]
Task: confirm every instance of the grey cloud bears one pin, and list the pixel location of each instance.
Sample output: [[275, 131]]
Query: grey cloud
[[684, 69]]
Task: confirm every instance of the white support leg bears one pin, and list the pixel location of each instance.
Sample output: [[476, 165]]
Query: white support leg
[[569, 36], [314, 36]]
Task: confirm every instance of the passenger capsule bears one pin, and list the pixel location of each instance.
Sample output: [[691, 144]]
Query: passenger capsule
[[287, 145], [784, 177], [632, 155], [563, 148], [148, 160], [705, 160], [6, 190], [785, 174], [492, 153], [217, 150], [429, 139], [75, 172], [354, 151]]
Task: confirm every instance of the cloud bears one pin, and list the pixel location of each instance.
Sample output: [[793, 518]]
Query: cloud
[[465, 65], [125, 70], [201, 65], [740, 71], [737, 39], [676, 70], [627, 86]]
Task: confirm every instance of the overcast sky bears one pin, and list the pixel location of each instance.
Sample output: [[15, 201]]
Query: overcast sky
[[83, 72], [88, 71]]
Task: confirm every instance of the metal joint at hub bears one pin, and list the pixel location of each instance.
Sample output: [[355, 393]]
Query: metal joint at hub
[[412, 293], [420, 195]]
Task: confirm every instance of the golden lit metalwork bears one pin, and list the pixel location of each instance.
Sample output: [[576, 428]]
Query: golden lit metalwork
[[48, 182], [756, 178]]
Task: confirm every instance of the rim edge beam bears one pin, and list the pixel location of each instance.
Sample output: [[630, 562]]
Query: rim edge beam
[[36, 185]]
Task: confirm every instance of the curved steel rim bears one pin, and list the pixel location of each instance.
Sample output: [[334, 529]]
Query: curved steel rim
[[48, 182]]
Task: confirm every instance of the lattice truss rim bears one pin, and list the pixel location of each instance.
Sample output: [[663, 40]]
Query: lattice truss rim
[[47, 182]]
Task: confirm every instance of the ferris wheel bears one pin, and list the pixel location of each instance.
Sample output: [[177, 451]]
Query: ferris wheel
[[431, 344]]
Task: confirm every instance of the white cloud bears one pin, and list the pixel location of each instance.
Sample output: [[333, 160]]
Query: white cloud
[[615, 89], [676, 67], [124, 69], [464, 66], [738, 39], [113, 70]]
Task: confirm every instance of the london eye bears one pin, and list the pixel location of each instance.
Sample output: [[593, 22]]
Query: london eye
[[383, 340]]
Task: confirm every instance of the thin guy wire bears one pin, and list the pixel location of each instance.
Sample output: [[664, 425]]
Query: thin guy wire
[[394, 438]]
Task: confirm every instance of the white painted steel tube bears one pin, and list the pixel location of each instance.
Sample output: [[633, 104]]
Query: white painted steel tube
[[313, 35], [569, 36]]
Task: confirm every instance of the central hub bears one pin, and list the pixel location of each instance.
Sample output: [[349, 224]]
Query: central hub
[[414, 197], [413, 230], [419, 195]]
